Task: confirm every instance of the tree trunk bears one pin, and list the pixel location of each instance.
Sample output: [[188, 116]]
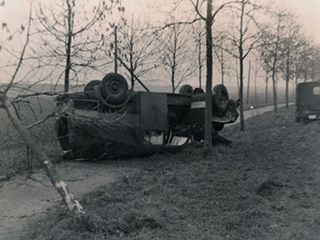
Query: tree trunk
[[241, 59], [267, 87], [248, 87], [255, 88], [222, 73], [116, 50], [68, 50], [287, 78], [294, 84], [199, 61], [242, 126], [174, 64], [222, 66], [208, 109], [287, 93], [237, 74], [274, 87], [172, 80], [61, 186]]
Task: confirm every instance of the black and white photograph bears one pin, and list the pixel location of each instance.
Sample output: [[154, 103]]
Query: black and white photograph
[[160, 119]]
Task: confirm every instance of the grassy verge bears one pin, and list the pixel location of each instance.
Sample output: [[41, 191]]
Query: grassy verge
[[266, 185], [14, 158]]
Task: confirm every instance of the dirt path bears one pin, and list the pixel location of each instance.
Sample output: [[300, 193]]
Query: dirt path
[[24, 198]]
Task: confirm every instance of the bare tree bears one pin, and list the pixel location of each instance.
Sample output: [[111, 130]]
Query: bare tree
[[272, 51], [8, 106], [256, 69], [208, 111], [71, 36], [267, 69], [198, 33], [314, 63], [244, 36], [137, 48], [248, 82], [176, 55], [221, 55], [290, 35], [209, 18]]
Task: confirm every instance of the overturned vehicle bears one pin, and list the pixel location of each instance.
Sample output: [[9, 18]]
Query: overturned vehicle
[[108, 119]]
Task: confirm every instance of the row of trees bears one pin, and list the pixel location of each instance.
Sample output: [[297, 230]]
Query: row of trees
[[78, 44]]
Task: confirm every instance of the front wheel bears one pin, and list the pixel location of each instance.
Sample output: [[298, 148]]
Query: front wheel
[[221, 98], [91, 87]]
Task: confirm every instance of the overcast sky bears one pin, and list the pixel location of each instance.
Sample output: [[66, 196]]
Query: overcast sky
[[309, 15], [307, 10]]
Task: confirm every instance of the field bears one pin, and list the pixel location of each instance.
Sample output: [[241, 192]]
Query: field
[[266, 185], [14, 155]]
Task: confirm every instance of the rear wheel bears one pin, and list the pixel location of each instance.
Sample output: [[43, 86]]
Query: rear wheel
[[186, 90], [113, 90], [91, 86], [197, 91], [91, 90]]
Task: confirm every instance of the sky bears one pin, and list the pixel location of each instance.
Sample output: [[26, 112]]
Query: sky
[[308, 12], [309, 15]]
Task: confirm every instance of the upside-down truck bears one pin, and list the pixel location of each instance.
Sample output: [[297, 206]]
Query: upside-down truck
[[108, 119]]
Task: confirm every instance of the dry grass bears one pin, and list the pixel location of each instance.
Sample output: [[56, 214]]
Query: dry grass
[[266, 185], [13, 151]]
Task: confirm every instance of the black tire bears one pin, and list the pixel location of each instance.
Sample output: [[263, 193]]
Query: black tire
[[218, 126], [197, 91], [91, 87], [220, 98], [186, 90], [113, 89]]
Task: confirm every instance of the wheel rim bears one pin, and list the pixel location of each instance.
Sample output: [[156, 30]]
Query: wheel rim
[[114, 87]]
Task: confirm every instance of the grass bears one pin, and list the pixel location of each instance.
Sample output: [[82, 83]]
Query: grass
[[14, 156], [264, 186]]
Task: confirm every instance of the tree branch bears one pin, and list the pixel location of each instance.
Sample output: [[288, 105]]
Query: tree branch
[[22, 53], [41, 121]]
